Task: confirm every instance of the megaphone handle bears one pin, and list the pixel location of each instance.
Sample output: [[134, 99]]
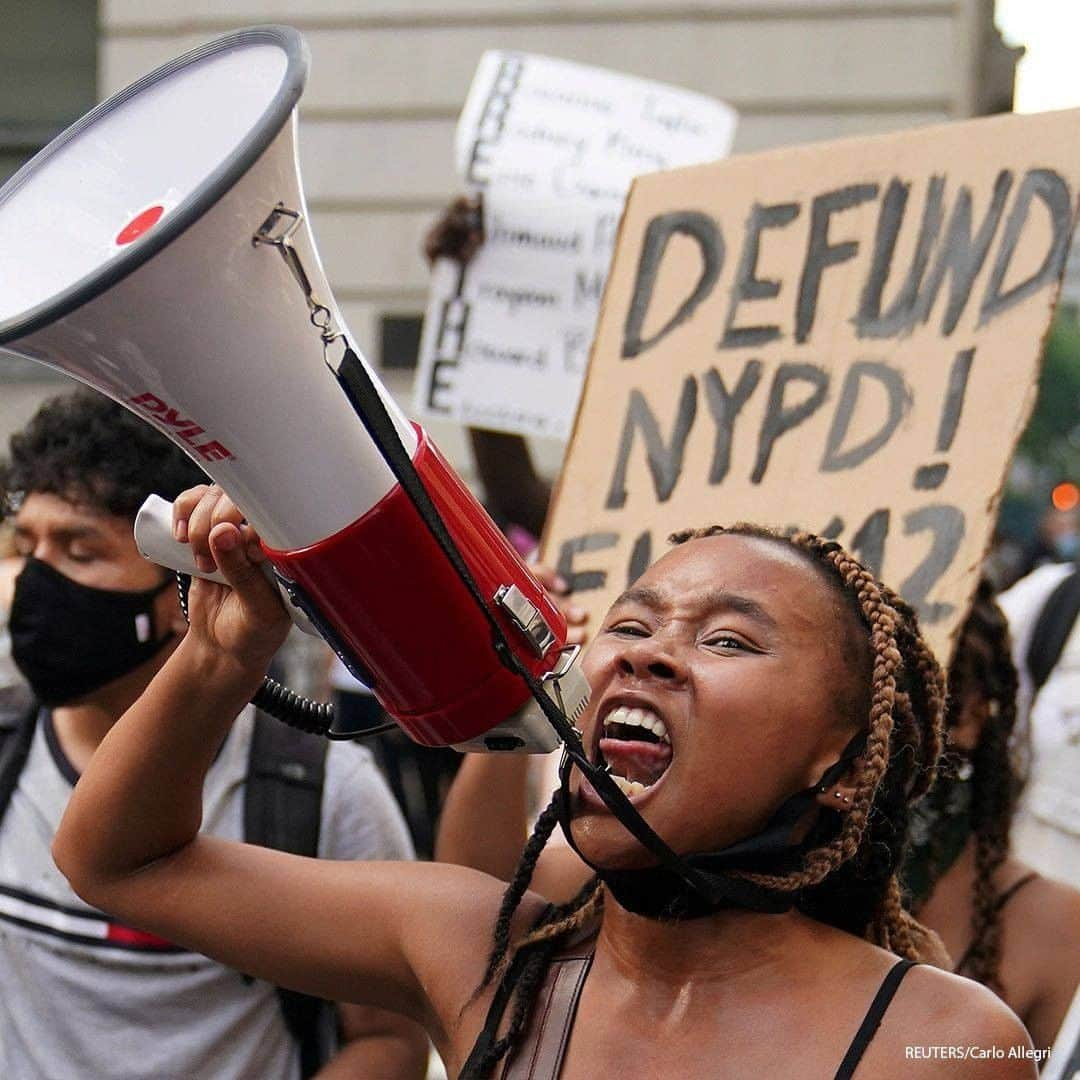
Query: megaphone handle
[[155, 541]]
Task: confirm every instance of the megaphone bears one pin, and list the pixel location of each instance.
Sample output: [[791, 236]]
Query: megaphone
[[159, 251]]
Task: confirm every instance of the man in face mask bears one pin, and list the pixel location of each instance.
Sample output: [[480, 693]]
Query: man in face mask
[[91, 622]]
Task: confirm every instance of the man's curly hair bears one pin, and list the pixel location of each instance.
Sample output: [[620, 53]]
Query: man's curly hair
[[92, 452]]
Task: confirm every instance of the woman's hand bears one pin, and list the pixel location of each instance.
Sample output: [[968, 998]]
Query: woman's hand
[[244, 621], [459, 232]]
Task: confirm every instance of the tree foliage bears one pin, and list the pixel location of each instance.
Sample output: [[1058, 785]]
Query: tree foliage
[[1052, 439]]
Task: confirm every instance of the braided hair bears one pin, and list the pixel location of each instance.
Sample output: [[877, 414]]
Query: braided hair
[[983, 671], [849, 882]]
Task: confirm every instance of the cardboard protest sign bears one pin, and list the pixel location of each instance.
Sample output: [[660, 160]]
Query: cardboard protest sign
[[842, 337], [553, 146]]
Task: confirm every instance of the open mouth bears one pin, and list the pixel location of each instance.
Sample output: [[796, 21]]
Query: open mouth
[[636, 746]]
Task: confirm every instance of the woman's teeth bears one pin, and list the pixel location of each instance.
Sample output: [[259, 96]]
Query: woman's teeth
[[645, 719], [636, 746]]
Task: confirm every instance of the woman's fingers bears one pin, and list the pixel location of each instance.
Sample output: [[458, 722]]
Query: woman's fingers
[[183, 504], [233, 558], [199, 523], [551, 579], [199, 510], [458, 233], [246, 621]]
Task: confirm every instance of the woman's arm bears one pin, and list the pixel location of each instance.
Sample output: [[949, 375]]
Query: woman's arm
[[372, 933], [376, 1044]]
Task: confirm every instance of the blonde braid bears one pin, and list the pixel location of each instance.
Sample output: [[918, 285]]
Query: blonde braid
[[571, 923]]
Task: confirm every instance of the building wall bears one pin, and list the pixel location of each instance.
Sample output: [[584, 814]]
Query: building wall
[[389, 76], [47, 72]]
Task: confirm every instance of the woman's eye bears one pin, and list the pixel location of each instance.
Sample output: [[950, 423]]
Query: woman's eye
[[724, 641], [629, 629]]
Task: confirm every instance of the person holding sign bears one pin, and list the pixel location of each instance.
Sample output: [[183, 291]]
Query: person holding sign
[[749, 690]]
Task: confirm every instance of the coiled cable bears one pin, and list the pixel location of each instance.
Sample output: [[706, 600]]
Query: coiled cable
[[278, 701]]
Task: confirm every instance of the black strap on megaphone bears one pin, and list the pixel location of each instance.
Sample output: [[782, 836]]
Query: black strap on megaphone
[[359, 387]]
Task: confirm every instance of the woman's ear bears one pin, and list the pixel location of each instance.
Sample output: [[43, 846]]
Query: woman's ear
[[839, 792], [837, 796]]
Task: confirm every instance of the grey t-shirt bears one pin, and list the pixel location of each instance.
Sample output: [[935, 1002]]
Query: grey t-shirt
[[84, 996]]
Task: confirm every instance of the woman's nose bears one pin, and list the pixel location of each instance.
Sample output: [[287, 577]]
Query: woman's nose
[[649, 656]]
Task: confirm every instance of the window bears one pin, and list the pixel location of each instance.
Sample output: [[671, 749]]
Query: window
[[399, 341]]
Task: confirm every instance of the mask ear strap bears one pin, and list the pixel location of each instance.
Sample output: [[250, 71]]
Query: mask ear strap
[[855, 748], [791, 811]]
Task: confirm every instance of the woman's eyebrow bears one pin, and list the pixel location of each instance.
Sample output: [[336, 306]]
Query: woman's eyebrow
[[713, 600], [724, 600], [641, 594]]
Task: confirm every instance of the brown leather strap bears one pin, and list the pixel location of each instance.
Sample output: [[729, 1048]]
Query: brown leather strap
[[539, 1055]]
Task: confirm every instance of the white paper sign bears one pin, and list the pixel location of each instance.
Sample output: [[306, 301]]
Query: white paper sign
[[553, 147]]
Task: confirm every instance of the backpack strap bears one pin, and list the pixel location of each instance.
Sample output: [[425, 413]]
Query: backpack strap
[[16, 737], [283, 811], [1052, 630]]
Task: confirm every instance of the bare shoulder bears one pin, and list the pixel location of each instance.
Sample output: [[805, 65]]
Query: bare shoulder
[[462, 950], [465, 905], [943, 1020], [1041, 962]]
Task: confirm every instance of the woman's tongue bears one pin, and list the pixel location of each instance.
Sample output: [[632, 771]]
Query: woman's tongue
[[637, 760]]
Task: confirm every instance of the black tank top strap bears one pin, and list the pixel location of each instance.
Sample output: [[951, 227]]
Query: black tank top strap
[[1014, 888], [999, 904], [872, 1021]]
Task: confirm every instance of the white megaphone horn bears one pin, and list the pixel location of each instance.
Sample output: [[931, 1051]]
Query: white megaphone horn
[[142, 253]]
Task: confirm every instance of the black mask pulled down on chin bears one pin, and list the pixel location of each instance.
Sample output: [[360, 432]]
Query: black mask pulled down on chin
[[69, 640], [658, 893]]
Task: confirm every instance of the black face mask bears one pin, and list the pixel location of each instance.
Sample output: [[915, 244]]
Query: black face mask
[[658, 893], [69, 640]]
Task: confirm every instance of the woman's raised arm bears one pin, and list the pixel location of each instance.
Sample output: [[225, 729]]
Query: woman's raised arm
[[373, 933]]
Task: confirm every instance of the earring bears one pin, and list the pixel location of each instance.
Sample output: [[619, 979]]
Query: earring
[[842, 797]]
